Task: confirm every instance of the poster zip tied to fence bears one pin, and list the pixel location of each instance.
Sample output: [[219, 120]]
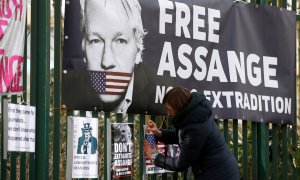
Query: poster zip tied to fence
[[82, 155], [170, 150], [19, 128], [122, 150]]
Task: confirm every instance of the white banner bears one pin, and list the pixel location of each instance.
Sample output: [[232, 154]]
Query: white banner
[[12, 38], [19, 127]]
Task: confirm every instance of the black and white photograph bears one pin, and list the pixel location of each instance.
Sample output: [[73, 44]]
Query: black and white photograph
[[122, 150], [109, 74]]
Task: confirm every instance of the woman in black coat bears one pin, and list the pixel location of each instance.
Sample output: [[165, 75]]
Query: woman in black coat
[[202, 146]]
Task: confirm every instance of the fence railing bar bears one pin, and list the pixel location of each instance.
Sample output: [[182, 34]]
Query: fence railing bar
[[13, 162], [226, 131], [153, 118], [42, 94], [165, 126], [3, 161], [284, 4], [95, 114], [274, 151], [105, 169], [284, 152], [294, 5], [33, 66], [131, 118], [119, 118], [235, 138], [254, 150], [262, 150], [82, 114], [267, 151], [294, 145], [56, 89], [13, 155], [22, 166], [245, 149], [23, 155], [141, 150]]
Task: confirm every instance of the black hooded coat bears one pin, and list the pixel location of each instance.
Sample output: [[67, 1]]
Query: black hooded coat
[[202, 146]]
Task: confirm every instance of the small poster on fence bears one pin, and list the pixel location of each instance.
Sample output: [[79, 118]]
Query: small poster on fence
[[84, 146], [122, 149], [19, 127], [170, 150]]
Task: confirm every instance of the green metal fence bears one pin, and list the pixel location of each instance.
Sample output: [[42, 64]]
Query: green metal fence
[[263, 150]]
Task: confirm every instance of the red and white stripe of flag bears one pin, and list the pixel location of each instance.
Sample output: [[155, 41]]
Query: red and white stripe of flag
[[116, 82]]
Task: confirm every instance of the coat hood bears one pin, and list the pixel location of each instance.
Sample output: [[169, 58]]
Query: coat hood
[[197, 110]]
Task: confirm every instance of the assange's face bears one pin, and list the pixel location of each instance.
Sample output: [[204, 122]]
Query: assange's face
[[125, 134], [110, 46]]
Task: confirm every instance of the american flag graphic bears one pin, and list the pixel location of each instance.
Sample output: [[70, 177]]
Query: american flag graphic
[[150, 167], [150, 138], [113, 83]]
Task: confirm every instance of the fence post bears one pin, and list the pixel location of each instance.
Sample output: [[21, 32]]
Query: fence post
[[262, 147], [56, 88], [42, 44]]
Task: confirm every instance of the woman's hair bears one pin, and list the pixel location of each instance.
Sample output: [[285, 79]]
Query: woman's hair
[[177, 98]]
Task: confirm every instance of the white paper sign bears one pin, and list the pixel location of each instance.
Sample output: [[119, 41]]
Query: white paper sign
[[85, 147], [19, 127]]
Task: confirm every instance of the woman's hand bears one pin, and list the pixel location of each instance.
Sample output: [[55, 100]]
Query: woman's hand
[[152, 128]]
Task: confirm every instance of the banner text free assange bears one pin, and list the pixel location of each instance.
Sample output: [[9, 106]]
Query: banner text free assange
[[206, 26]]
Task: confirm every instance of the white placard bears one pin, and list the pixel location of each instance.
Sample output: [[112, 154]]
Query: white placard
[[19, 127], [84, 146]]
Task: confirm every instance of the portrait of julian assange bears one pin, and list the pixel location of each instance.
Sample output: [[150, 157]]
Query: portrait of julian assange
[[105, 72]]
